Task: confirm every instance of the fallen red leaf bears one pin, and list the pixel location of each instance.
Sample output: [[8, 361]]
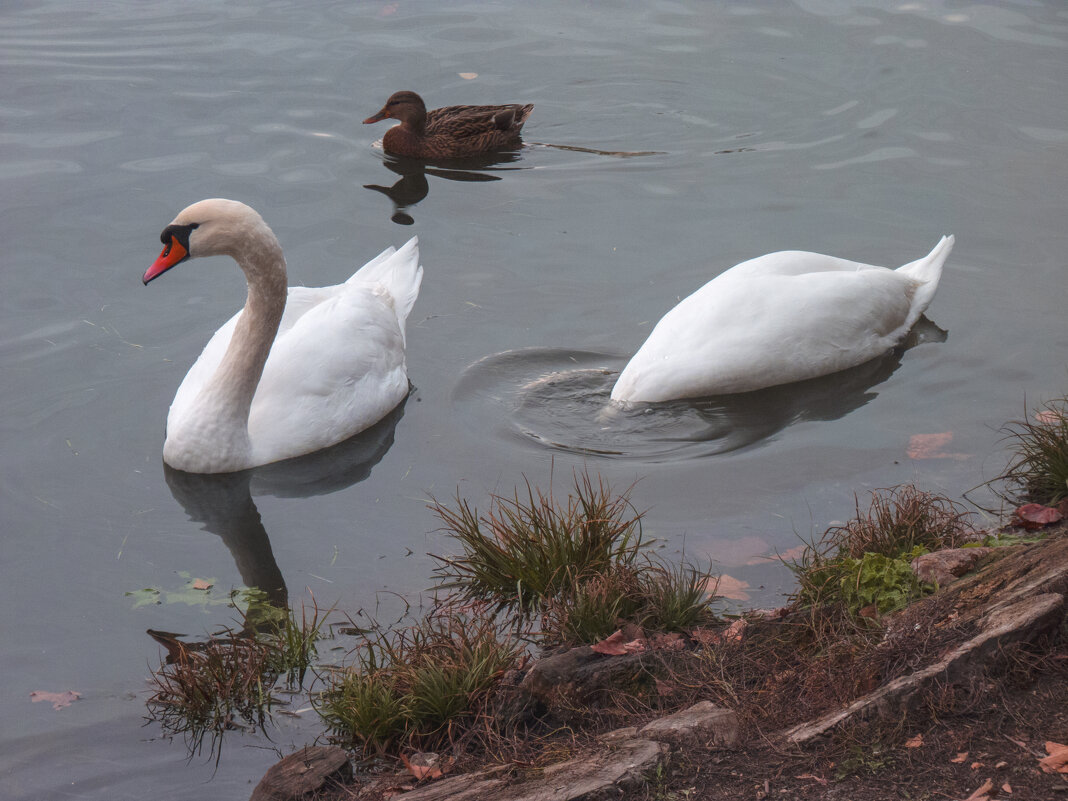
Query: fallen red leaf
[[1007, 788], [1057, 761], [615, 645], [982, 792], [423, 766], [1035, 515], [976, 765], [201, 584], [914, 742], [960, 757], [59, 700]]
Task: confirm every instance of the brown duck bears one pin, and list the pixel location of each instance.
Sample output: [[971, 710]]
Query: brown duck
[[449, 132]]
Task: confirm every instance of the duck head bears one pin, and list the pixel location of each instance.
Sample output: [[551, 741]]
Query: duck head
[[407, 107]]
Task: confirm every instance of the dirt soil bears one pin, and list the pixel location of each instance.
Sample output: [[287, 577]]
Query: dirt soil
[[1000, 739]]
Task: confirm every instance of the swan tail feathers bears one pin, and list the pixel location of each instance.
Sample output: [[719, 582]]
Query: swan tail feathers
[[927, 272], [399, 272]]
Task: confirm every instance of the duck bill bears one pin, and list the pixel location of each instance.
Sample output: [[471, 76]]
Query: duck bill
[[383, 114], [172, 254]]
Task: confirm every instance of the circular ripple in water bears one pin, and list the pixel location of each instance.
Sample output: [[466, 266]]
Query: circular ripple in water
[[559, 399]]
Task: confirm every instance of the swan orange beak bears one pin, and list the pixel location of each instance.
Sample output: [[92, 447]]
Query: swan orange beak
[[173, 253], [383, 114]]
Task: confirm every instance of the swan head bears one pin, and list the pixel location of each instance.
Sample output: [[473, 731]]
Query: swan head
[[407, 107], [213, 227]]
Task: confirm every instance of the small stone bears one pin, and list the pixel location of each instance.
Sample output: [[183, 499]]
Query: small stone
[[945, 567]]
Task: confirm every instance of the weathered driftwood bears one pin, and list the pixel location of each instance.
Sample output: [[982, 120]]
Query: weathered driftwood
[[313, 769], [607, 774]]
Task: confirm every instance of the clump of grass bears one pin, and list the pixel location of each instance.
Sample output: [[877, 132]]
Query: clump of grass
[[527, 550], [1038, 470], [898, 521], [860, 570], [676, 597], [593, 608], [421, 687]]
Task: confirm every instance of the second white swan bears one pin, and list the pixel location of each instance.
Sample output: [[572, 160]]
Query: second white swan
[[776, 319], [294, 371]]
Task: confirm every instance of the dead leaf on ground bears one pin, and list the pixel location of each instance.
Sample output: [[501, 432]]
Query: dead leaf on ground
[[1057, 761], [58, 700], [815, 778], [914, 742], [729, 587], [617, 645], [982, 792], [929, 446], [1007, 787], [1034, 515], [960, 757], [423, 765], [976, 765]]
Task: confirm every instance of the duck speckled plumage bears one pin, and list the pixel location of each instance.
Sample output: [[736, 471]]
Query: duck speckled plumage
[[449, 132]]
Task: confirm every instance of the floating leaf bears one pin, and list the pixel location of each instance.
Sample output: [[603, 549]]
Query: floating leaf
[[468, 76], [202, 584], [729, 587], [149, 596], [929, 446], [58, 700]]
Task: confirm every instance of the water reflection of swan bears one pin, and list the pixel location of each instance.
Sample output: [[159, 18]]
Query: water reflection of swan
[[223, 503], [412, 186]]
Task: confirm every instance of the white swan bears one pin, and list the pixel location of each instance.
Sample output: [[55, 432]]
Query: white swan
[[285, 377], [776, 319]]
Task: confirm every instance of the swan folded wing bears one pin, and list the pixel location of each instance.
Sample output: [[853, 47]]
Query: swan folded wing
[[796, 262], [738, 336], [338, 371]]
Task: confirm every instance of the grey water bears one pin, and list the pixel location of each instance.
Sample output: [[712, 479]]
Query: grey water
[[669, 141]]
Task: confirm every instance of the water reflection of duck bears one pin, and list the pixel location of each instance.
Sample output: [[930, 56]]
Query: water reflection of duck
[[449, 132], [292, 372], [412, 186], [777, 319]]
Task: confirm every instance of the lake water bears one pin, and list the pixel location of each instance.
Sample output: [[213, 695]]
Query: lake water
[[862, 129]]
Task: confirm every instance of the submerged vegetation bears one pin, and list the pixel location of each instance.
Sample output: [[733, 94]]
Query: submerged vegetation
[[230, 680]]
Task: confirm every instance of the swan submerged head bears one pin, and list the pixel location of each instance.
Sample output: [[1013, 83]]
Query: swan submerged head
[[213, 227]]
